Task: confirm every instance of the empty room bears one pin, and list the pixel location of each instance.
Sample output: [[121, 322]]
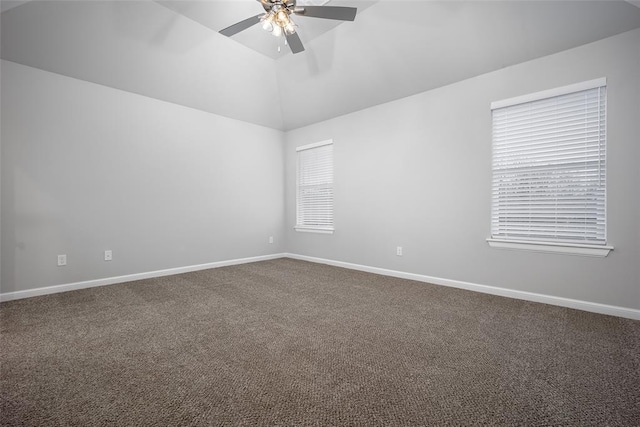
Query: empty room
[[320, 212]]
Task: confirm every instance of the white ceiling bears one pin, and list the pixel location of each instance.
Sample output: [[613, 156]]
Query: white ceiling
[[170, 50], [211, 15]]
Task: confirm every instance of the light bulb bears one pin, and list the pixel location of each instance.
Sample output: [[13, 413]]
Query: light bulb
[[289, 28], [282, 18], [268, 21], [267, 25], [277, 31]]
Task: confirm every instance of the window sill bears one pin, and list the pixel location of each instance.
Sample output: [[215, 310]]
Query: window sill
[[552, 247], [314, 230]]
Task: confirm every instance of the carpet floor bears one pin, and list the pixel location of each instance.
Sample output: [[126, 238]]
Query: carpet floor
[[288, 342]]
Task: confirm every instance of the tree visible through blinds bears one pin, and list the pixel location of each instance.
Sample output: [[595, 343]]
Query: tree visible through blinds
[[315, 187], [549, 169]]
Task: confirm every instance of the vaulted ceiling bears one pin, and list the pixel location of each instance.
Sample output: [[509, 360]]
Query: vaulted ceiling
[[171, 50]]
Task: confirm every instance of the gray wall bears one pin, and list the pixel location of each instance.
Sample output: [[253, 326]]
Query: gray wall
[[87, 168], [416, 173]]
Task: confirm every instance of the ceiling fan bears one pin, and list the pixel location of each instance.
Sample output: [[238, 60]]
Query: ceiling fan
[[277, 19]]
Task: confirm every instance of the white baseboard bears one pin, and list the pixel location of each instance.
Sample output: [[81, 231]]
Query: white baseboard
[[493, 290], [594, 307], [9, 296]]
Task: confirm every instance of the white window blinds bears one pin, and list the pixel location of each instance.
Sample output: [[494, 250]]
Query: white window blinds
[[549, 167], [315, 187]]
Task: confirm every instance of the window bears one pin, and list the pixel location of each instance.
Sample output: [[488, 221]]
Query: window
[[549, 175], [314, 198]]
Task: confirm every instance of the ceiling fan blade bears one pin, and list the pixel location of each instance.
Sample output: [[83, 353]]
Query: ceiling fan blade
[[328, 12], [241, 26], [294, 42]]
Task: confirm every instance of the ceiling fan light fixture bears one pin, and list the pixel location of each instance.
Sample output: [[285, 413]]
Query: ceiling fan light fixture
[[277, 30], [268, 21], [282, 18], [268, 26], [290, 28], [277, 21]]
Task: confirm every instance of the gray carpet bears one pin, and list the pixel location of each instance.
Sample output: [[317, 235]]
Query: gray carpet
[[287, 342]]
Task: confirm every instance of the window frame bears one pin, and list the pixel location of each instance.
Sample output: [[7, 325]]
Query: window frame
[[313, 228], [551, 245]]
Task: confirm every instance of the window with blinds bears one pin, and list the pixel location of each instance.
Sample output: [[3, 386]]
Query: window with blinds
[[314, 199], [549, 170]]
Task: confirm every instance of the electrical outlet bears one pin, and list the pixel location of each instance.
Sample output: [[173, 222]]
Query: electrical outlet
[[108, 255], [270, 239], [399, 251], [62, 260]]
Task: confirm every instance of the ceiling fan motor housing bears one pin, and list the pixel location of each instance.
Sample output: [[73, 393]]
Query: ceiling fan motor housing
[[269, 5]]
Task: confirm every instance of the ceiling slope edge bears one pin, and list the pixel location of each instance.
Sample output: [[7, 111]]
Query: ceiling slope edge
[[3, 60], [634, 34], [146, 49], [439, 43]]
